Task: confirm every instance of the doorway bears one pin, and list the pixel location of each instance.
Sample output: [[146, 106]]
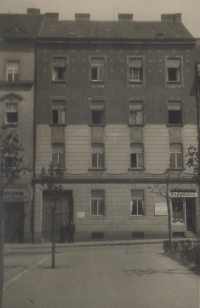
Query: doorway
[[190, 214], [14, 222]]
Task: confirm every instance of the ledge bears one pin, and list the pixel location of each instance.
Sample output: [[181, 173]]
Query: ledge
[[97, 217], [136, 169], [174, 125], [16, 84], [97, 169], [57, 125], [96, 125], [136, 125]]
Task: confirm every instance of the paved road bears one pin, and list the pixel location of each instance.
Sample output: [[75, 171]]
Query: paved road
[[138, 276]]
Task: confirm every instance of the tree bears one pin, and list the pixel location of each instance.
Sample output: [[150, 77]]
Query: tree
[[10, 160], [52, 181], [163, 188], [193, 162]]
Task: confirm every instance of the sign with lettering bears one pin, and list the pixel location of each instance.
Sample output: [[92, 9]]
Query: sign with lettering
[[80, 214], [182, 194], [15, 194], [161, 208]]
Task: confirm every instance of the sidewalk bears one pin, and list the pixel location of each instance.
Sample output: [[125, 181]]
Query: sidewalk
[[96, 243]]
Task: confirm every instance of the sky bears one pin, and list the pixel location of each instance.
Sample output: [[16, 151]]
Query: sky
[[143, 10]]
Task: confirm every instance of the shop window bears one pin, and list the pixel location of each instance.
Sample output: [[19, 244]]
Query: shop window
[[136, 113], [173, 70], [58, 113], [137, 202], [174, 113], [135, 73], [11, 115], [59, 68], [58, 154], [176, 155], [177, 211], [12, 71], [98, 69], [97, 156], [97, 202], [136, 156], [97, 113]]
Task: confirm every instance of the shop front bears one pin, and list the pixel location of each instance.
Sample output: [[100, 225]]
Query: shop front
[[15, 203], [183, 207]]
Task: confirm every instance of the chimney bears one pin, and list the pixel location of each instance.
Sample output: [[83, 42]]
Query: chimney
[[82, 17], [125, 17], [33, 11], [52, 16], [171, 17]]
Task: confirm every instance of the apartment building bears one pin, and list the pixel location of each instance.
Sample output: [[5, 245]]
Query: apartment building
[[17, 73], [115, 106]]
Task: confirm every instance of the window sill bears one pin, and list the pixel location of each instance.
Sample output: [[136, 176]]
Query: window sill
[[58, 125], [135, 81], [176, 169], [174, 125], [58, 81], [11, 124], [97, 217], [103, 124], [97, 169], [136, 125], [136, 216], [136, 169]]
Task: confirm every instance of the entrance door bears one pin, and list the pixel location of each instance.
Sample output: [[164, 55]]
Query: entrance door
[[62, 215], [190, 214], [14, 213]]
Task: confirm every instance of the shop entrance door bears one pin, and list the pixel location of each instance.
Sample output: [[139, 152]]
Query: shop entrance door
[[14, 214], [62, 215], [190, 214]]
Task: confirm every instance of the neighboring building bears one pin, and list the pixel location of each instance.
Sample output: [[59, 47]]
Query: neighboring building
[[116, 103], [17, 91]]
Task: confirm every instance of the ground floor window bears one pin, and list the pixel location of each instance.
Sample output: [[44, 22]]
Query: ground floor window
[[137, 202], [97, 202], [178, 211]]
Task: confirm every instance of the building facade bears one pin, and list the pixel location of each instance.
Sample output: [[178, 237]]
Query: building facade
[[115, 106], [17, 92]]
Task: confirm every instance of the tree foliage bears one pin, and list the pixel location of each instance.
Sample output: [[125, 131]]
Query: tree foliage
[[193, 162]]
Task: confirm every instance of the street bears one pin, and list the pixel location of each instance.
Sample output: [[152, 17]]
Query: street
[[132, 276]]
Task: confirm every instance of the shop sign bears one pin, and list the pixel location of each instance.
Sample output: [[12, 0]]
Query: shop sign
[[161, 209], [80, 214], [15, 194], [182, 194]]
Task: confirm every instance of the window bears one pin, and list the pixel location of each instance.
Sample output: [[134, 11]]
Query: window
[[12, 73], [173, 70], [58, 113], [137, 202], [59, 69], [136, 113], [11, 113], [11, 158], [97, 113], [135, 69], [98, 69], [97, 202], [177, 211], [58, 154], [174, 113], [176, 155], [97, 156], [136, 157]]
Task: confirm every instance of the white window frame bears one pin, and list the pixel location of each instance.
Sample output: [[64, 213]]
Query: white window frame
[[175, 153], [175, 106], [138, 70], [59, 152], [137, 153], [61, 66], [175, 68], [137, 199], [12, 110], [60, 107], [98, 199], [12, 70], [134, 107], [98, 150], [98, 67]]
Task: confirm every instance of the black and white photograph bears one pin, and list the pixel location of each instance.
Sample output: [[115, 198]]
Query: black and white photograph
[[99, 154]]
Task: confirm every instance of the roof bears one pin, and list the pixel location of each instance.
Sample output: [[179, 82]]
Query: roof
[[20, 25], [115, 30]]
